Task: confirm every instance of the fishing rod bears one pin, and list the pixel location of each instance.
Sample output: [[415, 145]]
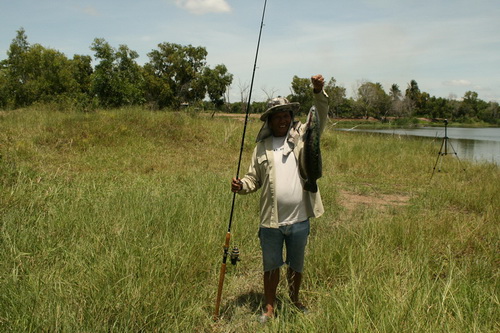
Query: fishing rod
[[235, 252]]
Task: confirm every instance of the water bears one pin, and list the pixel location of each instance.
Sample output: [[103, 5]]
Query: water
[[475, 144]]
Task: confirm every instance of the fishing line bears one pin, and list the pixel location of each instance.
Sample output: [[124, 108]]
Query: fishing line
[[228, 234]]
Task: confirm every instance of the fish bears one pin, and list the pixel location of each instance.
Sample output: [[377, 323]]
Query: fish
[[310, 163]]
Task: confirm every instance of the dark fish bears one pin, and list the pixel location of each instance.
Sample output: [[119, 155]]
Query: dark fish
[[310, 164]]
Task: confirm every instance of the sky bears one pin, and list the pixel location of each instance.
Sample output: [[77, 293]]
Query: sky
[[448, 47]]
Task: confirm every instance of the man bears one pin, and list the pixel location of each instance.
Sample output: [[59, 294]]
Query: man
[[285, 208]]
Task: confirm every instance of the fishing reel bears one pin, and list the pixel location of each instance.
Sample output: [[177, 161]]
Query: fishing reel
[[235, 255]]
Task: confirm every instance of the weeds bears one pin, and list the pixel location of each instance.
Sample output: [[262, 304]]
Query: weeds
[[114, 221]]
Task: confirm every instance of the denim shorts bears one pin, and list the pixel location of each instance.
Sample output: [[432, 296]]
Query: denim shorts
[[294, 237]]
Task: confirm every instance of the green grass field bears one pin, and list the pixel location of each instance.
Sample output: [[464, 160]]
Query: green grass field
[[114, 222]]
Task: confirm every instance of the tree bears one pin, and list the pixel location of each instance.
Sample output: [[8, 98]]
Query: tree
[[395, 93], [397, 104], [3, 86], [269, 92], [372, 100], [15, 71], [16, 54], [175, 74], [491, 113], [422, 107], [33, 73], [336, 97], [412, 97], [82, 72], [241, 105], [302, 92], [104, 79], [117, 79], [217, 80], [130, 75], [467, 110], [439, 108], [50, 74]]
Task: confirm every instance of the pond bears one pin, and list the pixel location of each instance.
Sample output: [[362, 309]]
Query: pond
[[475, 144]]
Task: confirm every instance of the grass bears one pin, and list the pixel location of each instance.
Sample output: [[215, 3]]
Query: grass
[[115, 220]]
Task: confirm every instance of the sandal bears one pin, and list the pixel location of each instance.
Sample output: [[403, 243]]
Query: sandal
[[264, 318]]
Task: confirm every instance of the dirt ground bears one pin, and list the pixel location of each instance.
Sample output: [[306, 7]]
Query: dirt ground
[[381, 201]]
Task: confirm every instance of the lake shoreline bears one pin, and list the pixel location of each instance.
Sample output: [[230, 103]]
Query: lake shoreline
[[475, 144]]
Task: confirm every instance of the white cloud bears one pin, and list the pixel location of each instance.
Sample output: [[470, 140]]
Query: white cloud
[[204, 6], [89, 10], [458, 83]]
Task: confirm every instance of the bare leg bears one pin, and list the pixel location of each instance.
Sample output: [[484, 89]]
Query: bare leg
[[294, 281], [271, 280]]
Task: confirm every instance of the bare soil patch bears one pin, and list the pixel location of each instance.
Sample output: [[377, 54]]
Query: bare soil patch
[[351, 200]]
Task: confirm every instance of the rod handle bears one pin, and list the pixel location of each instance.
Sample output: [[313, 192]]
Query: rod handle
[[219, 291], [222, 276]]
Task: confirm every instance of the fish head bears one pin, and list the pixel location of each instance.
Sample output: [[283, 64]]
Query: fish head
[[312, 118]]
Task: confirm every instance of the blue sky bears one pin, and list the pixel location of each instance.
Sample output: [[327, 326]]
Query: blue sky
[[447, 46]]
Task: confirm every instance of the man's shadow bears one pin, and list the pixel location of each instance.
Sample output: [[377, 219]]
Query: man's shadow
[[251, 300]]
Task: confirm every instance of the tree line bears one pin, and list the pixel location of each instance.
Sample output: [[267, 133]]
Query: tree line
[[373, 101], [178, 75], [174, 75]]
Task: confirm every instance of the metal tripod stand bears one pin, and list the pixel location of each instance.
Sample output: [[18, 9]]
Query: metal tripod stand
[[444, 150]]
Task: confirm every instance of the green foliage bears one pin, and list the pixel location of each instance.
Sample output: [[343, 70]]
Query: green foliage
[[336, 97], [33, 73], [414, 95], [178, 75], [49, 75], [490, 114], [4, 93], [82, 72], [173, 70], [217, 80], [15, 70], [373, 101], [117, 79], [406, 122], [113, 221], [302, 93]]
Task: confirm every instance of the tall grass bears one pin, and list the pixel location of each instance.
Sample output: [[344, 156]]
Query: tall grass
[[115, 220]]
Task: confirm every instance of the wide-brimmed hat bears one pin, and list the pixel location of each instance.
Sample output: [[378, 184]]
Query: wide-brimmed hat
[[279, 104]]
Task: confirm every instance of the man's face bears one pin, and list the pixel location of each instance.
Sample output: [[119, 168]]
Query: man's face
[[279, 123]]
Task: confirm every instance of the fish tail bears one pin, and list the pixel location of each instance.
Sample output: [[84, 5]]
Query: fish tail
[[311, 187]]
